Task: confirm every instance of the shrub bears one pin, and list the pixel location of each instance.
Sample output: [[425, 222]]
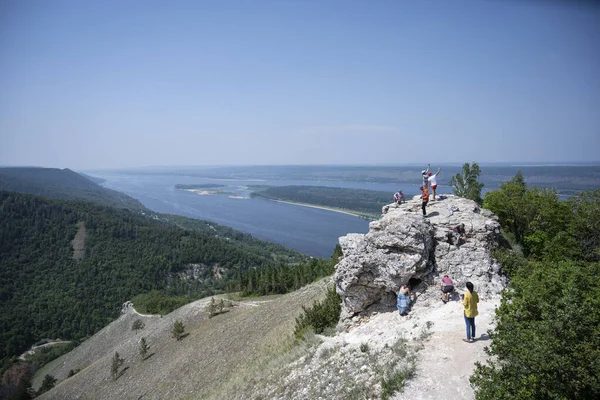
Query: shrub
[[547, 341], [155, 302], [178, 329], [117, 363], [321, 315], [144, 348], [47, 384], [137, 325]]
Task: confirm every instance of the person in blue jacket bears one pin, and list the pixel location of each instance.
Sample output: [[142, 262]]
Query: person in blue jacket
[[403, 300]]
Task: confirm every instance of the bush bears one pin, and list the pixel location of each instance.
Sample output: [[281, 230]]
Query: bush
[[178, 329], [321, 315], [156, 302], [547, 341]]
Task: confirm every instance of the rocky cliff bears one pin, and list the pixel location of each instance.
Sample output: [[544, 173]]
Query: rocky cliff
[[404, 247]]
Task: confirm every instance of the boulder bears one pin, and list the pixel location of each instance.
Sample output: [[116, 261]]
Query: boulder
[[403, 247]]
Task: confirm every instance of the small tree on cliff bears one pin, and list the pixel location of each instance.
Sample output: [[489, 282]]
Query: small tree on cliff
[[177, 330], [47, 384], [137, 325], [466, 184], [116, 364], [144, 348]]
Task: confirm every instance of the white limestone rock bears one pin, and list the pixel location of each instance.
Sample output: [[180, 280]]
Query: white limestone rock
[[403, 245]]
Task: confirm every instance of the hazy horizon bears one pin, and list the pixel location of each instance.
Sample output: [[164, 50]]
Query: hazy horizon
[[117, 85]]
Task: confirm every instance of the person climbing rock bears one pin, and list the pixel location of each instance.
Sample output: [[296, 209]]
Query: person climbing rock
[[457, 234], [469, 301], [399, 198], [425, 198], [447, 287]]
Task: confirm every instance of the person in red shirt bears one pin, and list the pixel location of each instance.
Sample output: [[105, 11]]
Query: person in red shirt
[[425, 197], [447, 287]]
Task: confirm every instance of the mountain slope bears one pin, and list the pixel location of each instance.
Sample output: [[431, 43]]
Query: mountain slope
[[45, 292], [62, 184], [216, 349]]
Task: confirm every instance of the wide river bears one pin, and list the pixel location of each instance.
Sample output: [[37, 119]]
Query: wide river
[[308, 230]]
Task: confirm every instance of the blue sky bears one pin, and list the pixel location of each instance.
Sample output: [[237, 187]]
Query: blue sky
[[111, 84]]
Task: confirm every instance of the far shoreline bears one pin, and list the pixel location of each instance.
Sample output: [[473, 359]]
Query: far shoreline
[[364, 216]]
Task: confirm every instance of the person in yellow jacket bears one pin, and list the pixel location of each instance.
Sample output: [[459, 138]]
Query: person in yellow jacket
[[469, 302]]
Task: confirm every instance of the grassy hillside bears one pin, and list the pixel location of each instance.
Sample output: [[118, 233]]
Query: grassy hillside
[[62, 184], [47, 292], [218, 357]]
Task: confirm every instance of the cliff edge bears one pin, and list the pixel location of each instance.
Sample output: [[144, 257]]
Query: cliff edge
[[405, 247]]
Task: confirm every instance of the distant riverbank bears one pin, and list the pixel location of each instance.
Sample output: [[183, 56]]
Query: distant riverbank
[[338, 210]]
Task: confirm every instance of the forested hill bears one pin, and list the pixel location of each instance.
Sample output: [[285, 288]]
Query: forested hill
[[368, 202], [62, 184], [46, 292]]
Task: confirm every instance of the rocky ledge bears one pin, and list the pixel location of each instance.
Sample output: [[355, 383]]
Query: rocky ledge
[[404, 247]]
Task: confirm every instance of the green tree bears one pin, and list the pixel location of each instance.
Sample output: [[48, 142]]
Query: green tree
[[115, 366], [47, 384], [177, 330], [212, 308], [584, 227], [536, 218], [546, 344], [323, 314], [144, 348], [509, 204], [337, 254], [137, 325], [466, 184]]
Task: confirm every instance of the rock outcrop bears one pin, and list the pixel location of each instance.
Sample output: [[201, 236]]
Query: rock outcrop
[[403, 247]]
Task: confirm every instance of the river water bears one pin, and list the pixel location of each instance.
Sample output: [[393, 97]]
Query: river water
[[308, 230]]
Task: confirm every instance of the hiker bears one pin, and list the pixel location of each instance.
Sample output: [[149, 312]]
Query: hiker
[[447, 288], [469, 301], [458, 233], [424, 176], [425, 197], [433, 182], [403, 300], [399, 198]]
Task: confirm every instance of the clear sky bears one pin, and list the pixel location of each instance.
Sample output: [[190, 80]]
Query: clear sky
[[106, 84]]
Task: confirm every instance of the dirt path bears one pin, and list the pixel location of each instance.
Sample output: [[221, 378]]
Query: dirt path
[[446, 362], [78, 242]]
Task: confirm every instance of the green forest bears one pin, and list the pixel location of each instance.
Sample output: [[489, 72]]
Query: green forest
[[63, 184], [45, 293], [547, 341], [365, 202]]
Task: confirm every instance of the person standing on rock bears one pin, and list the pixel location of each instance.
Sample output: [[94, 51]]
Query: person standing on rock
[[424, 176], [425, 198], [403, 300], [469, 301], [433, 183]]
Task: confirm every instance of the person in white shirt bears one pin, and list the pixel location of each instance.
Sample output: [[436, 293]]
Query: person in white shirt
[[433, 182]]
